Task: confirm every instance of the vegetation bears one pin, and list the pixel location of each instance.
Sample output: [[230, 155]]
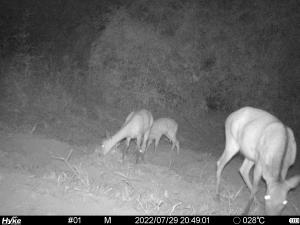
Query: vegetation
[[186, 57]]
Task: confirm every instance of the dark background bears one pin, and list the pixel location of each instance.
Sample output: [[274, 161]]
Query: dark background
[[185, 58]]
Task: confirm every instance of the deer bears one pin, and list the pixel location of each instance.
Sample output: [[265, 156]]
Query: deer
[[137, 126], [167, 127], [267, 145]]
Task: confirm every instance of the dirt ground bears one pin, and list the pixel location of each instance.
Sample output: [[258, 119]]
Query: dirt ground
[[44, 171]]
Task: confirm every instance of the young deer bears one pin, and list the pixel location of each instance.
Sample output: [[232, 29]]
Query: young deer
[[167, 127], [266, 144], [137, 126]]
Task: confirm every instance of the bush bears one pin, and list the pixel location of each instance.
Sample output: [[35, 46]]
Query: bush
[[181, 56], [191, 56]]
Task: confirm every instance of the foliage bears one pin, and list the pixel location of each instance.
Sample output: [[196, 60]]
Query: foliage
[[187, 57], [194, 56]]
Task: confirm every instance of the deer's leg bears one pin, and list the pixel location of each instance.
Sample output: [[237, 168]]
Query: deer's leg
[[125, 150], [257, 173], [157, 139], [230, 150], [138, 152], [145, 141], [244, 171]]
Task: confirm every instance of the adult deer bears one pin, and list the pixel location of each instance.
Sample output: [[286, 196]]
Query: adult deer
[[269, 146], [167, 127], [137, 126]]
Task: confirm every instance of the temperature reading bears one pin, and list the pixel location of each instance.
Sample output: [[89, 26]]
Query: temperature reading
[[254, 220]]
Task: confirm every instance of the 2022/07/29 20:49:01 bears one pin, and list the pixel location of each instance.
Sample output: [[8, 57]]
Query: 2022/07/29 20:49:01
[[171, 220]]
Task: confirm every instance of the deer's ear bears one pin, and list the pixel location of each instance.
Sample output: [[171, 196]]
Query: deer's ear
[[107, 134], [293, 182]]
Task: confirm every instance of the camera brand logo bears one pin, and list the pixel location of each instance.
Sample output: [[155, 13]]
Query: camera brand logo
[[11, 221]]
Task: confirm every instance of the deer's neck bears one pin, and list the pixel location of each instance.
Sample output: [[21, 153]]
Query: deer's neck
[[120, 135]]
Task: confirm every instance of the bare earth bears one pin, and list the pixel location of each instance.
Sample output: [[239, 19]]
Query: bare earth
[[40, 175]]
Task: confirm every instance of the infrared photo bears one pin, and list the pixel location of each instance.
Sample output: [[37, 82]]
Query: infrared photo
[[150, 107]]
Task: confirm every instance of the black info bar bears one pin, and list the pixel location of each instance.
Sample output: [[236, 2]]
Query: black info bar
[[19, 220]]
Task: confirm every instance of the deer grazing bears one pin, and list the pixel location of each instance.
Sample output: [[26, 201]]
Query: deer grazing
[[269, 146], [137, 126], [167, 127]]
